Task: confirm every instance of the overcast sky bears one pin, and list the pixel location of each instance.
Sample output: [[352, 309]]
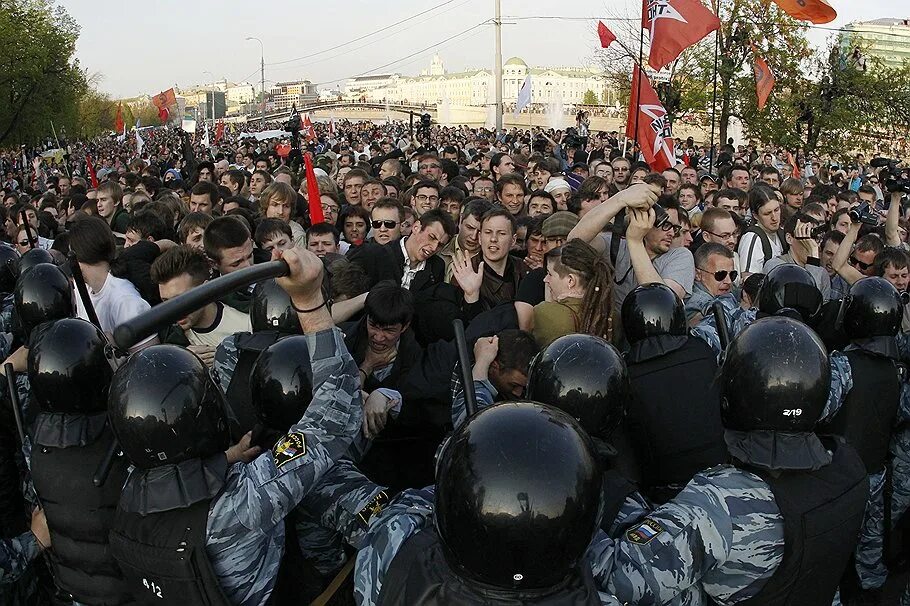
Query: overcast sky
[[148, 47]]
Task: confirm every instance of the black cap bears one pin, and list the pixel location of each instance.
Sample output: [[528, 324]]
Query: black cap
[[271, 309], [775, 376], [651, 310], [67, 368], [518, 492], [42, 294], [165, 408], [281, 383], [584, 376], [872, 308], [789, 289]]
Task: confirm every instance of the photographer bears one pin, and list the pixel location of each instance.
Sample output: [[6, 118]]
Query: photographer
[[803, 251]]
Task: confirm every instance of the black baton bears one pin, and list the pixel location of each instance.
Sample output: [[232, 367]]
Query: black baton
[[32, 240], [461, 344], [143, 326], [83, 292], [104, 467], [14, 399], [720, 319]]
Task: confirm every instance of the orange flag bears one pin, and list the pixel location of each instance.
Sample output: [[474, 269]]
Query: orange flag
[[764, 79], [118, 121], [165, 99], [816, 11]]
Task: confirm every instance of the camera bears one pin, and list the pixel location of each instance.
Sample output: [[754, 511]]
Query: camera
[[863, 214], [621, 223], [895, 181]]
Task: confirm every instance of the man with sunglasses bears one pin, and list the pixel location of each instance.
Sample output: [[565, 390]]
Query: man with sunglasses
[[714, 277], [385, 219], [803, 251]]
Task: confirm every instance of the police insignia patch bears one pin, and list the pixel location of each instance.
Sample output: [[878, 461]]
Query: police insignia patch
[[373, 508], [288, 448], [644, 533]]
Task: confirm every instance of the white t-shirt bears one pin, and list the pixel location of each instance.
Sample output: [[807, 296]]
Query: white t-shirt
[[116, 302], [751, 255], [227, 321]]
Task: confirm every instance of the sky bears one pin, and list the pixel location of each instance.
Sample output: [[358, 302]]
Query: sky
[[143, 48]]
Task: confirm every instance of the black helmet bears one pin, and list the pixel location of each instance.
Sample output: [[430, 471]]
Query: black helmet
[[651, 310], [67, 367], [271, 309], [165, 408], [42, 294], [34, 257], [789, 287], [584, 376], [281, 383], [518, 490], [9, 268], [872, 308], [775, 376]]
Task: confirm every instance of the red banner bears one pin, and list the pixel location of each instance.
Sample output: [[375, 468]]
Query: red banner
[[674, 26], [312, 191], [764, 79], [653, 133]]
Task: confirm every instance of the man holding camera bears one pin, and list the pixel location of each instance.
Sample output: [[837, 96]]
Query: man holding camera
[[644, 256], [803, 251]]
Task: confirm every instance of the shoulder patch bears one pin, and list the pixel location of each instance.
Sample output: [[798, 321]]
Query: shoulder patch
[[644, 533], [373, 508], [288, 448]]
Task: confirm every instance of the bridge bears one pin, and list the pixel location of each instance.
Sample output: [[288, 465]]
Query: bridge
[[397, 107]]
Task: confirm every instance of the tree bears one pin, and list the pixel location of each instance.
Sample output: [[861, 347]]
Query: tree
[[41, 80], [590, 98]]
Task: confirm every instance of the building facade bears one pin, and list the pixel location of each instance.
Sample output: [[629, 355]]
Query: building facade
[[285, 95], [888, 39], [549, 85]]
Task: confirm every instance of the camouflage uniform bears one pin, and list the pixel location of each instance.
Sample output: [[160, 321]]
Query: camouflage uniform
[[245, 530], [408, 514], [226, 356], [900, 466], [720, 539], [15, 556], [337, 511]]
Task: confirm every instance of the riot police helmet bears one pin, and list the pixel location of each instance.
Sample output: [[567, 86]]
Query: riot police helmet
[[271, 309], [652, 310], [281, 383], [775, 376], [584, 376], [67, 367], [872, 308], [518, 490], [42, 294], [34, 257], [789, 290], [9, 269], [165, 408]]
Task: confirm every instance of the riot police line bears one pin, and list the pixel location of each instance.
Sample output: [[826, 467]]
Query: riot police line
[[748, 484]]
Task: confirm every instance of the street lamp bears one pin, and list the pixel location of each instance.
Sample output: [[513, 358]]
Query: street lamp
[[213, 94], [261, 79]]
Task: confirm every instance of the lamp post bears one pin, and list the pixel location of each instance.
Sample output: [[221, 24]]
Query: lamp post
[[213, 94], [261, 80]]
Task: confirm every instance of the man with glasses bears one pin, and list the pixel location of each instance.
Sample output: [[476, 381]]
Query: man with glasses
[[644, 256], [385, 219], [425, 197], [484, 187], [430, 167], [719, 227], [714, 276], [622, 170], [803, 251]]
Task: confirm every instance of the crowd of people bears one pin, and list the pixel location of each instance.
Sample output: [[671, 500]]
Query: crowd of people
[[687, 385]]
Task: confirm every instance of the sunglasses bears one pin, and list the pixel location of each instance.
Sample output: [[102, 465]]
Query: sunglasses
[[24, 242], [387, 223], [721, 275], [677, 229], [860, 264]]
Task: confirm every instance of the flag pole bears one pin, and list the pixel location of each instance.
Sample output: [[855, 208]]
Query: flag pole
[[714, 99], [66, 164], [641, 56]]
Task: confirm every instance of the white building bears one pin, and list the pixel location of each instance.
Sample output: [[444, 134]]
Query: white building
[[888, 39], [286, 95], [475, 86], [238, 94]]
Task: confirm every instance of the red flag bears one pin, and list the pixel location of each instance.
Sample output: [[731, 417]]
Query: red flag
[[91, 171], [674, 26], [312, 191], [165, 99], [118, 121], [816, 11], [163, 114], [764, 79], [654, 135], [308, 131], [792, 162], [606, 36], [219, 131]]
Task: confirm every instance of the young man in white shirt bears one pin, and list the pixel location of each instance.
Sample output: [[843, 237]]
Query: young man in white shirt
[[181, 269], [115, 300]]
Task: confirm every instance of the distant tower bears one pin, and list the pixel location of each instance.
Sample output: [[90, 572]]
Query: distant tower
[[436, 67]]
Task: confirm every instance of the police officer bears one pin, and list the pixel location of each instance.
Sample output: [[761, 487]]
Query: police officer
[[42, 294], [779, 524], [337, 510], [9, 261], [69, 377], [871, 317], [271, 317], [673, 415], [17, 554], [191, 529], [514, 508]]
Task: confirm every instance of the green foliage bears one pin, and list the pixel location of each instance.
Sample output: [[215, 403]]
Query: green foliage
[[40, 79], [590, 98]]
